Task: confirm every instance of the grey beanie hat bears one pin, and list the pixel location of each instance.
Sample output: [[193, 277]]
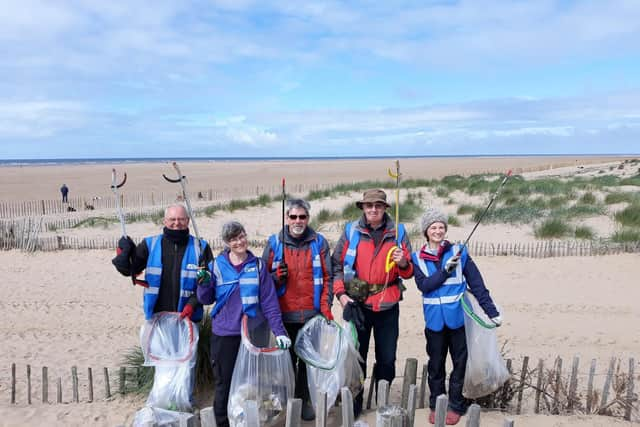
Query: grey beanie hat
[[430, 216]]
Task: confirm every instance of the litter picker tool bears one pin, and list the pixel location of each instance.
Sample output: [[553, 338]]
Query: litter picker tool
[[389, 263], [493, 197], [115, 187], [182, 180], [284, 197]]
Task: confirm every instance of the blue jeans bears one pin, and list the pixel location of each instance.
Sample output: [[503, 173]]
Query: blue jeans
[[385, 326]]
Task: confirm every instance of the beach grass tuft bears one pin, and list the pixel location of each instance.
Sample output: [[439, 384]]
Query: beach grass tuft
[[552, 228]]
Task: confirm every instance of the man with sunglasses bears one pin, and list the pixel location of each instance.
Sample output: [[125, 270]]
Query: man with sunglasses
[[300, 262], [369, 286]]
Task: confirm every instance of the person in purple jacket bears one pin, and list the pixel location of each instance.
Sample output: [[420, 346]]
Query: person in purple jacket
[[443, 273], [241, 284]]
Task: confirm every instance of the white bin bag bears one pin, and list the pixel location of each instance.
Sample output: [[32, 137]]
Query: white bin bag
[[486, 371]]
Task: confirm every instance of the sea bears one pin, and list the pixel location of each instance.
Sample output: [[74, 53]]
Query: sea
[[119, 160]]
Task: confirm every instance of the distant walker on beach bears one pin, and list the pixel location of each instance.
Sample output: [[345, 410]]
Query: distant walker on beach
[[65, 191]]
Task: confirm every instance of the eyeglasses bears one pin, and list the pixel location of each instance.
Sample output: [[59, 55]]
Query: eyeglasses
[[374, 205], [302, 217], [238, 239]]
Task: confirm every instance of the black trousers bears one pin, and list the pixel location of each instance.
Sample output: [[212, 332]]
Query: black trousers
[[224, 351], [452, 341], [299, 367], [385, 327]]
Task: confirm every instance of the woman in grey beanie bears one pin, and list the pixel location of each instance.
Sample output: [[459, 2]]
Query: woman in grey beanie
[[443, 272]]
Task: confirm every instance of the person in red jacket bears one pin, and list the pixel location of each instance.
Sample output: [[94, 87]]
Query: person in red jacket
[[300, 262], [368, 289]]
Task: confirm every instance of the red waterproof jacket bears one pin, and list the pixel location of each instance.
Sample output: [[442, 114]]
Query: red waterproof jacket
[[370, 264], [297, 302]]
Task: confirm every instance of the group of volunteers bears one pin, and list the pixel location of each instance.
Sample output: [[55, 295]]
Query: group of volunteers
[[296, 279]]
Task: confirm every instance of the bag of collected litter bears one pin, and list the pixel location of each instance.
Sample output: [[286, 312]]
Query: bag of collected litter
[[486, 371], [170, 344], [262, 373], [331, 357]]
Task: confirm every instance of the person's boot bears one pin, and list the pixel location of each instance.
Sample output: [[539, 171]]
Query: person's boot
[[308, 413]]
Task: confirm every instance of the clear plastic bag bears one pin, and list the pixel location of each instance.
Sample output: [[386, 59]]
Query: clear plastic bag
[[486, 371], [331, 357], [159, 417], [170, 344], [262, 373]]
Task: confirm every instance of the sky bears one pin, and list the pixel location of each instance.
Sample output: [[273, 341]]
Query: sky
[[244, 78]]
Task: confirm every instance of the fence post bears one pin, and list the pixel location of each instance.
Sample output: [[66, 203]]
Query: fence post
[[383, 393], [107, 389], [473, 416], [523, 376], [441, 410], [607, 383], [294, 411], [592, 372], [556, 394], [573, 382], [410, 372], [423, 387], [321, 409], [74, 382], [59, 390], [627, 411], [90, 379], [372, 383], [347, 407], [536, 409], [411, 404], [45, 385], [28, 384], [123, 378], [13, 383]]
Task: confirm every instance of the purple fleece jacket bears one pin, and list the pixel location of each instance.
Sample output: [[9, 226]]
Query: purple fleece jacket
[[229, 319]]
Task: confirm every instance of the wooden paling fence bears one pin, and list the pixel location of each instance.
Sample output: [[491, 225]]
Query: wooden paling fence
[[543, 388], [139, 200]]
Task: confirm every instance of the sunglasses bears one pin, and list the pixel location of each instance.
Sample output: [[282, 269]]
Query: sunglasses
[[302, 217]]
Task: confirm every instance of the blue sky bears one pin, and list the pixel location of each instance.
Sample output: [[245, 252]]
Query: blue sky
[[237, 78]]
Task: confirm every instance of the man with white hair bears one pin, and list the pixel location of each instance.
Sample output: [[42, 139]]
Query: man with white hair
[[170, 261]]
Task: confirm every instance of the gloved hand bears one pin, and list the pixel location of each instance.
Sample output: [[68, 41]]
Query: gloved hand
[[452, 264], [283, 342], [187, 312], [203, 277], [497, 320], [327, 315], [353, 313], [125, 246], [282, 272]]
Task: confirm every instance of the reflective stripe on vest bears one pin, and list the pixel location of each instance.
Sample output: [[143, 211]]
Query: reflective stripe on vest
[[442, 305], [228, 278], [353, 235], [153, 275], [318, 277]]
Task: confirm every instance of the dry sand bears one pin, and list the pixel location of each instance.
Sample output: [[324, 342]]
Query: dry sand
[[71, 308]]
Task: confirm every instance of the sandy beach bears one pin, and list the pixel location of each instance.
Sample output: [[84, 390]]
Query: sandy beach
[[71, 308]]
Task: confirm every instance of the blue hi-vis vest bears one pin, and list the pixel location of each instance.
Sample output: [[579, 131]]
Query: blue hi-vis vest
[[318, 278], [442, 306], [153, 274], [353, 235], [228, 278]]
